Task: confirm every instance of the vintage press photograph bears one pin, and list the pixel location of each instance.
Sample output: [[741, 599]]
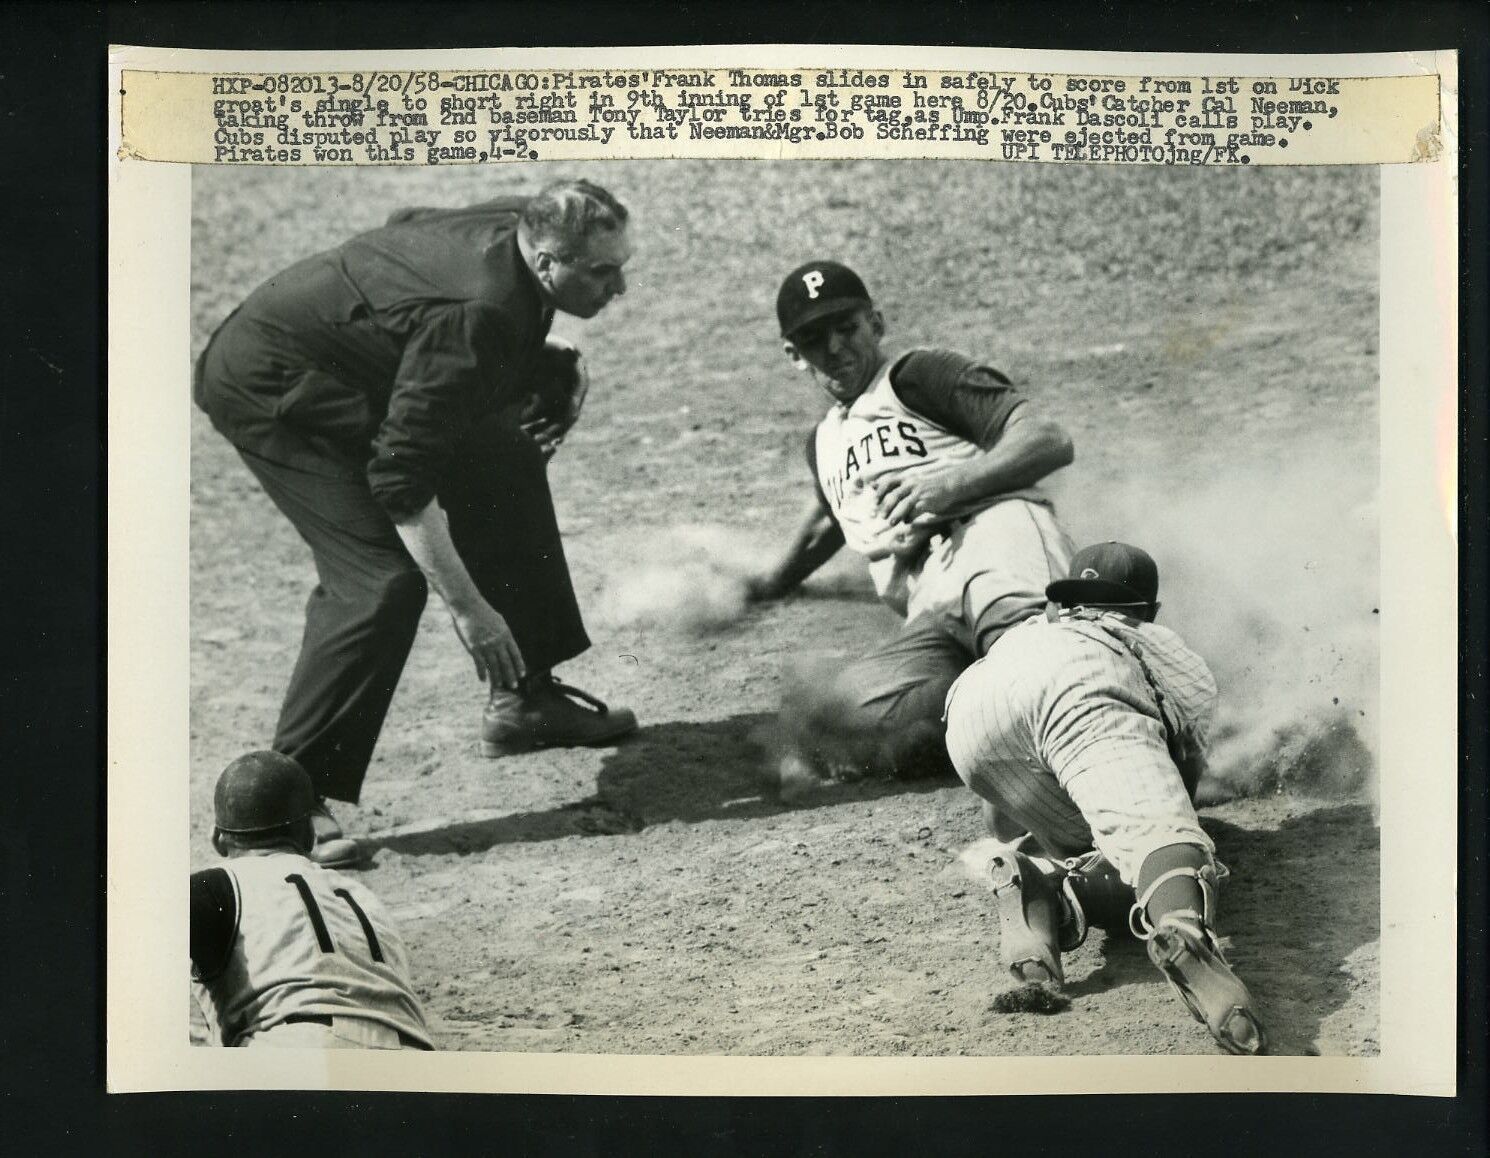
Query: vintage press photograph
[[775, 608]]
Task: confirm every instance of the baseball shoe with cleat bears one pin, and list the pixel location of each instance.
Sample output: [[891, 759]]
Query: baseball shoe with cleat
[[1036, 921], [546, 713], [1187, 953]]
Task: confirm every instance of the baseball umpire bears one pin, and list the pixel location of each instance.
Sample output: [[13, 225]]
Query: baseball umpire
[[397, 398], [285, 952], [1086, 729], [928, 464]]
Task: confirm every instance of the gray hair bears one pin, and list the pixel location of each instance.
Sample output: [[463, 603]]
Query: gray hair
[[566, 213]]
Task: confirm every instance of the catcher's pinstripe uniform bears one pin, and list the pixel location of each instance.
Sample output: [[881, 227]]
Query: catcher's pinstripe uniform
[[1067, 728], [1088, 728]]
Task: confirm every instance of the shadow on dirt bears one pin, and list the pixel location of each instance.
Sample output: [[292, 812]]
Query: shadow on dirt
[[686, 772], [1124, 961], [1301, 899]]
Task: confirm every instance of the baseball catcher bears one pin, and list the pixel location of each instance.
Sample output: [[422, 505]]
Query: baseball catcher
[[1084, 731]]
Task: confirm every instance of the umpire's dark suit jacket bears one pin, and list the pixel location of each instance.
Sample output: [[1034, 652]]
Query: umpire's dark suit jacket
[[358, 385]]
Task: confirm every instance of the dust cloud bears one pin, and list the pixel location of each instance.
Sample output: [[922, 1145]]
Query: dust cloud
[[1270, 570], [700, 589]]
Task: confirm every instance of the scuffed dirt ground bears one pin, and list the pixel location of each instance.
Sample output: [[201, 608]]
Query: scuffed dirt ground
[[1199, 334]]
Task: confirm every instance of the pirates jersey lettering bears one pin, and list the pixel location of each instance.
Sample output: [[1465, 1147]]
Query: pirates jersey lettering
[[877, 436]]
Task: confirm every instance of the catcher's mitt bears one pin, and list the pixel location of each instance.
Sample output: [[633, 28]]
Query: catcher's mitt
[[557, 395]]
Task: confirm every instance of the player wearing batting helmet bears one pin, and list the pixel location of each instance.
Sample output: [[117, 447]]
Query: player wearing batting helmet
[[1086, 728], [286, 952], [928, 463]]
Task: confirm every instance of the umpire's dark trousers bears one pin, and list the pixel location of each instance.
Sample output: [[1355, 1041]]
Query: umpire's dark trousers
[[362, 615]]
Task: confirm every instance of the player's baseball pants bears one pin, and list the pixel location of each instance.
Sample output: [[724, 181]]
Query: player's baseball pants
[[362, 616], [341, 1033], [1062, 736], [982, 577]]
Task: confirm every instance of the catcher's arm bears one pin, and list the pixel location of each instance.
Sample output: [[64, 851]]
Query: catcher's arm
[[817, 539], [1188, 751]]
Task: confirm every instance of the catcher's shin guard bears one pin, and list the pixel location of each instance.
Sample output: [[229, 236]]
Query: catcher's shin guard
[[1184, 948], [1187, 953], [1031, 915], [1097, 894]]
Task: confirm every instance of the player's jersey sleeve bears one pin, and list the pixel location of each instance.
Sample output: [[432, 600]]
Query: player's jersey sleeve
[[214, 921], [967, 398]]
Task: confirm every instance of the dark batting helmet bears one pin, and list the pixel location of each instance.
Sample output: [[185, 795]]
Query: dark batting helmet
[[262, 791]]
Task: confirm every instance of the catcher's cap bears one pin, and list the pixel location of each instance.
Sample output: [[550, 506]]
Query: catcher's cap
[[260, 791], [816, 290], [1108, 573]]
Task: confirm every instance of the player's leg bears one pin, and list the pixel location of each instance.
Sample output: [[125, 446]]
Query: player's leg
[[993, 716], [502, 523], [360, 623], [885, 709], [1004, 558]]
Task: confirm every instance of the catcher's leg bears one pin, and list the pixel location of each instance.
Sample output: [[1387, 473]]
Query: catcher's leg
[[1121, 777], [1035, 921], [1175, 913]]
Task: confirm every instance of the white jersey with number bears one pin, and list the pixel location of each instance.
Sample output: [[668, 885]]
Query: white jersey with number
[[876, 436], [309, 941]]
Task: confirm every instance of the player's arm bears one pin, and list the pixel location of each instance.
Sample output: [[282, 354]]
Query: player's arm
[[1187, 751], [214, 921], [816, 540], [1018, 445], [1031, 448]]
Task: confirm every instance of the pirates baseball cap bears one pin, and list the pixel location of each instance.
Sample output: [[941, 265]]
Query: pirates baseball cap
[[815, 290], [1109, 572], [261, 791]]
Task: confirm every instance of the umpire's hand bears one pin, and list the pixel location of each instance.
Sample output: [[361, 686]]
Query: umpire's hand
[[489, 640]]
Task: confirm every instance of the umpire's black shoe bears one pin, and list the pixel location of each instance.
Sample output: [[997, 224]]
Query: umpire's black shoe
[[333, 849], [545, 713]]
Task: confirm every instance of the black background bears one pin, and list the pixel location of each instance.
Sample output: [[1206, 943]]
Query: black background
[[52, 310]]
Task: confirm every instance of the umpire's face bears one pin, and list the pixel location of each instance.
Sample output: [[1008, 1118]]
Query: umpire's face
[[844, 347], [583, 283]]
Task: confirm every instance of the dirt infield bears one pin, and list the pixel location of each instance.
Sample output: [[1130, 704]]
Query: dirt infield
[[1209, 339]]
